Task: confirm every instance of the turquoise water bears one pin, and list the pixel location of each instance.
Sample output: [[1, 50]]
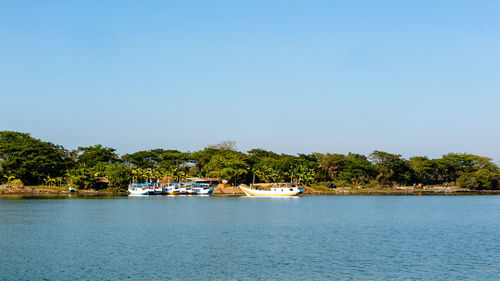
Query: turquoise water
[[220, 238]]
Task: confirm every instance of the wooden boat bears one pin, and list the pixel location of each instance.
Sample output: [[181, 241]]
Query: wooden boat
[[282, 189]]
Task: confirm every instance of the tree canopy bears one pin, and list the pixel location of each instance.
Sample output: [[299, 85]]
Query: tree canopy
[[34, 162], [30, 159]]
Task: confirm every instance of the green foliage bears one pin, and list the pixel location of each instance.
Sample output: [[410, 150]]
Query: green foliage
[[356, 170], [330, 165], [175, 158], [229, 165], [144, 159], [16, 183], [391, 167], [285, 168], [30, 159], [90, 156], [261, 153], [118, 174], [482, 179], [33, 161], [81, 177], [424, 170]]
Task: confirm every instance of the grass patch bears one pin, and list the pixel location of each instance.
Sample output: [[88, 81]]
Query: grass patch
[[47, 187]]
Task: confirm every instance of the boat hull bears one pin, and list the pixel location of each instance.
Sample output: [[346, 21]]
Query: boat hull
[[138, 192], [268, 193]]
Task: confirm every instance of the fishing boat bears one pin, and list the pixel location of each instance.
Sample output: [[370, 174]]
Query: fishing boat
[[172, 189], [202, 189], [186, 189], [280, 189], [141, 189]]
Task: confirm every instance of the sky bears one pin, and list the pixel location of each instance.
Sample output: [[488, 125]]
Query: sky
[[406, 77]]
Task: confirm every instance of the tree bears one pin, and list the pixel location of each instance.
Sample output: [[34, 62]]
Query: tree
[[268, 170], [202, 158], [230, 166], [144, 159], [175, 158], [331, 165], [90, 156], [286, 168], [482, 179], [118, 174], [81, 177], [225, 145], [261, 153], [31, 159], [452, 165], [356, 169], [392, 168], [424, 170]]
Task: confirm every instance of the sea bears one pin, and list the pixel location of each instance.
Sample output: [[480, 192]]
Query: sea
[[248, 238]]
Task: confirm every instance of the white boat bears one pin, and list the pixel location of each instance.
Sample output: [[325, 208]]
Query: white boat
[[182, 191], [202, 189], [186, 189], [140, 189], [277, 190]]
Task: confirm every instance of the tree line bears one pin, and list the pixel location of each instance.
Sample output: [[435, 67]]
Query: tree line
[[37, 162]]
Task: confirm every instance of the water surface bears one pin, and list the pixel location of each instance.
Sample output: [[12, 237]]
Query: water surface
[[227, 238]]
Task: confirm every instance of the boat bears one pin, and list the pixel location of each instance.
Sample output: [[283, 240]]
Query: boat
[[186, 189], [202, 189], [172, 189], [141, 189], [280, 189]]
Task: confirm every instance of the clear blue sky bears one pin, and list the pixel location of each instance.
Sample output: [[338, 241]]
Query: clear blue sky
[[419, 78]]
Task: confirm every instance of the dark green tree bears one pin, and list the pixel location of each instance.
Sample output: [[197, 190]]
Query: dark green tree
[[31, 160], [424, 170], [90, 156], [356, 170], [144, 159], [392, 168], [261, 153], [330, 165], [175, 158]]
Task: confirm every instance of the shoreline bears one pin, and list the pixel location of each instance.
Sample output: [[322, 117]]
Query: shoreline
[[234, 191]]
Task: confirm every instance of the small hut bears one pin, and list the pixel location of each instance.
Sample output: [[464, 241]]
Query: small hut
[[101, 183]]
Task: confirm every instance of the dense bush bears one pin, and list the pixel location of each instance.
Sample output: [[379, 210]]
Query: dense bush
[[482, 179]]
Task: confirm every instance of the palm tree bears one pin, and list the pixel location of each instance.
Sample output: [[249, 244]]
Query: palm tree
[[9, 178], [49, 181]]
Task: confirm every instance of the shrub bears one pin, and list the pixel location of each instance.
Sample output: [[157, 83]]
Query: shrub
[[17, 183], [480, 180]]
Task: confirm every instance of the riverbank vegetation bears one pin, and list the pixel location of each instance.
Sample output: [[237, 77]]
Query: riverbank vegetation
[[30, 161]]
